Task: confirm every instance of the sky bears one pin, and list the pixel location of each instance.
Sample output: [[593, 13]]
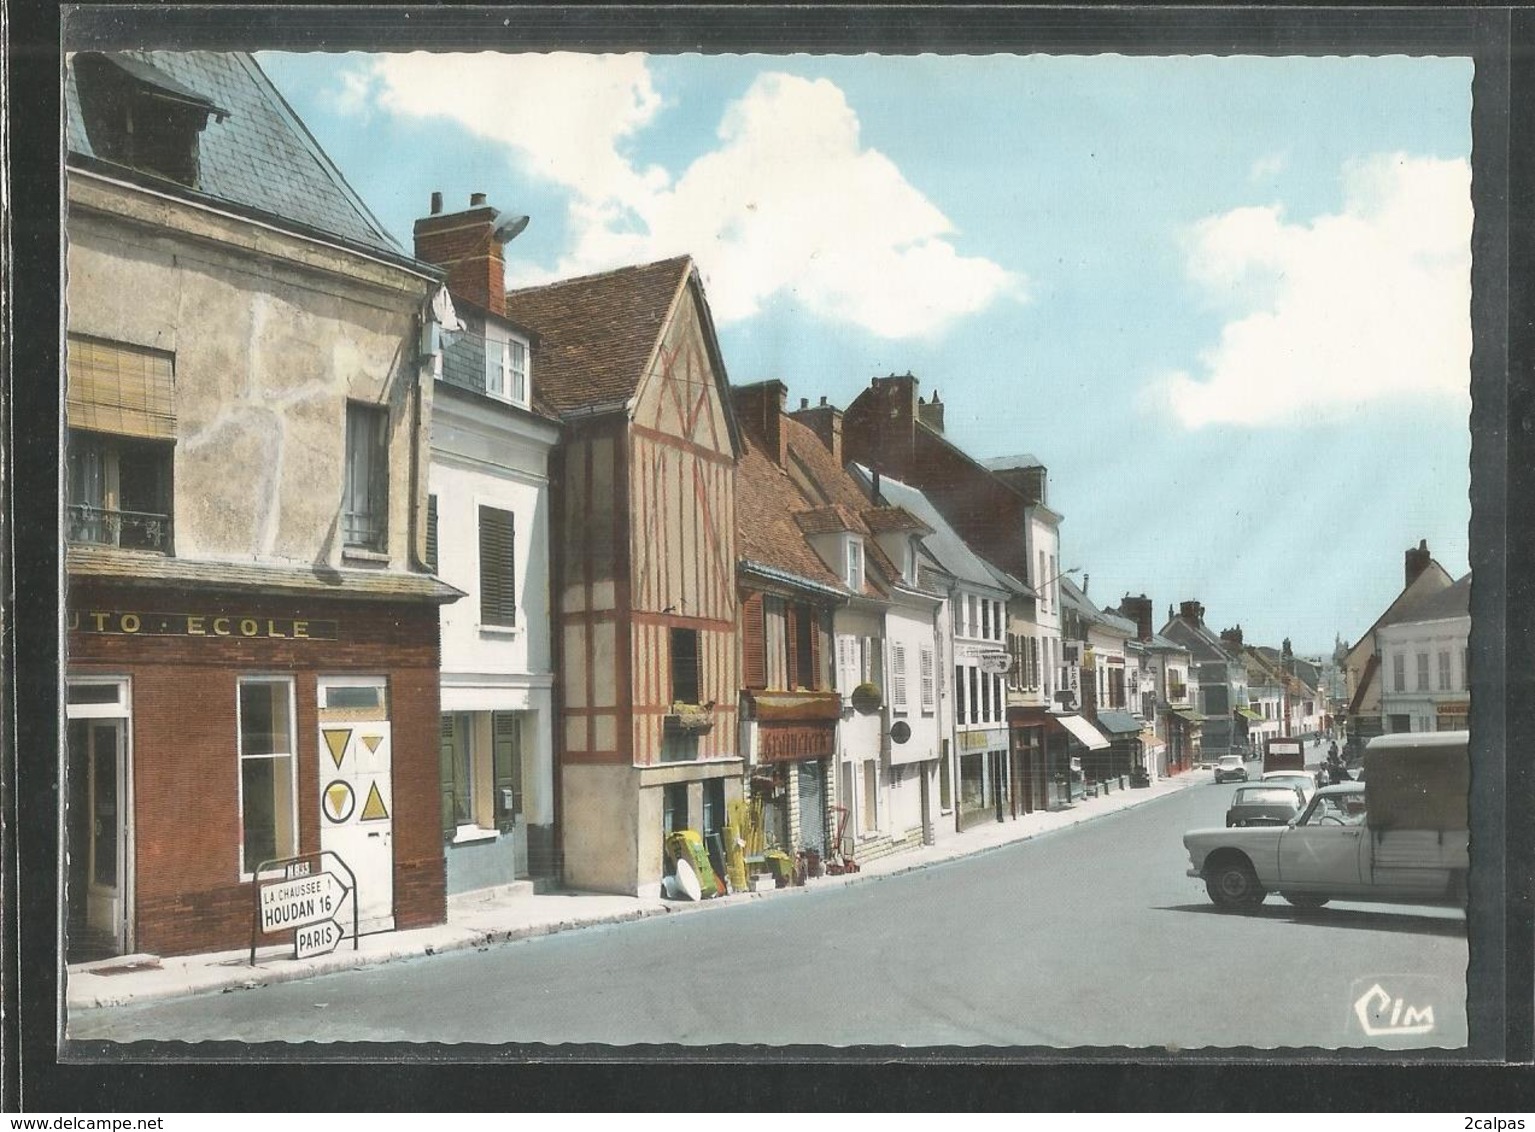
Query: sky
[[1226, 301]]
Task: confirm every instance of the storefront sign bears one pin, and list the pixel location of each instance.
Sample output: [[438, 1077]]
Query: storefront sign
[[122, 622], [982, 740], [788, 742]]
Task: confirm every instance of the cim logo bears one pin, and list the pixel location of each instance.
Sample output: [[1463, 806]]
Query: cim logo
[[1382, 1014]]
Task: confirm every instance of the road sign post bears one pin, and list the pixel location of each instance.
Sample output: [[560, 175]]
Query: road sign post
[[304, 900]]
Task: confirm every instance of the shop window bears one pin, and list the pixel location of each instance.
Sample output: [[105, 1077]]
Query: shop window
[[268, 813], [684, 653], [714, 806], [498, 567], [365, 506], [674, 807]]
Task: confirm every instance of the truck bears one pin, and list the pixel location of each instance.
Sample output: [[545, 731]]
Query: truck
[[1401, 836], [1284, 754]]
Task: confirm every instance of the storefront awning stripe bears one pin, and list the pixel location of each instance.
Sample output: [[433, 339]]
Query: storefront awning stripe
[[1083, 731]]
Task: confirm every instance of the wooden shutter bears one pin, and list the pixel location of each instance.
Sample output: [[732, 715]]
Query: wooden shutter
[[447, 771], [120, 389], [898, 678], [506, 767], [498, 582], [753, 643], [927, 680], [791, 616], [431, 533], [816, 680]]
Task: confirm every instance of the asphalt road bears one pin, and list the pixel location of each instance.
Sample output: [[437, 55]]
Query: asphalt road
[[1091, 936]]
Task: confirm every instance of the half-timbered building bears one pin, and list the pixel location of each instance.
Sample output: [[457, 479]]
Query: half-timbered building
[[644, 566]]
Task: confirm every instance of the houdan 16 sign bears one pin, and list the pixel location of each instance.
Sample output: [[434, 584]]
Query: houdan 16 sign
[[300, 902]]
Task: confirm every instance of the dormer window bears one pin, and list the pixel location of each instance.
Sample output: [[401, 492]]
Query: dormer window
[[136, 114], [854, 563], [506, 371]]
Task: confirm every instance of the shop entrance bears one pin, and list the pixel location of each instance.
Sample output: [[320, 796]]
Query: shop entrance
[[97, 745], [356, 792]]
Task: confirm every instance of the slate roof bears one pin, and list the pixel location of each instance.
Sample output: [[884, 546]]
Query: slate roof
[[596, 333], [948, 549], [260, 158], [131, 568], [1006, 463]]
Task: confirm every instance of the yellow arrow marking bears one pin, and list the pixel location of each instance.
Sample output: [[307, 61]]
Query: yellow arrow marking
[[373, 809], [373, 741], [336, 741]]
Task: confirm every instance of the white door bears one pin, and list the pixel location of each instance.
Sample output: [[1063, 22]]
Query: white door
[[357, 808]]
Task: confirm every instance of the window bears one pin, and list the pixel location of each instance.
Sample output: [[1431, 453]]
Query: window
[[975, 699], [1399, 672], [674, 807], [498, 567], [1423, 672], [929, 698], [985, 695], [431, 533], [456, 751], [495, 368], [898, 679], [517, 373], [1444, 670], [268, 813], [855, 564], [365, 507], [119, 491], [685, 688], [476, 750], [803, 647], [1044, 592], [137, 115]]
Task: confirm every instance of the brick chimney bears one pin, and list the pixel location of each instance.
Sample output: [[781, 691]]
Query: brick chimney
[[1232, 638], [1138, 609], [465, 243], [761, 409], [1192, 611], [930, 412], [1031, 482], [880, 425], [826, 422], [1417, 562]]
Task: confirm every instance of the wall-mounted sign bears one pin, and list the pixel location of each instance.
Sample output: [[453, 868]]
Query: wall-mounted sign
[[132, 623], [787, 742], [900, 731]]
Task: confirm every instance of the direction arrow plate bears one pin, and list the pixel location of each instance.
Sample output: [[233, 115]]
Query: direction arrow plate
[[299, 902], [317, 939]]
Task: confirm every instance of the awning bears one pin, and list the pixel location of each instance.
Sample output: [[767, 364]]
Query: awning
[[1188, 715], [1248, 713], [1150, 742], [1083, 731], [1118, 723]]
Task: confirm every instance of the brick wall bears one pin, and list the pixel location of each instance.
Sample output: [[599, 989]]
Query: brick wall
[[186, 822]]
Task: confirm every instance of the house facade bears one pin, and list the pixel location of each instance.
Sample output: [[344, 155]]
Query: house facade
[[1219, 679], [489, 536], [1426, 662], [644, 586], [1166, 691], [246, 398]]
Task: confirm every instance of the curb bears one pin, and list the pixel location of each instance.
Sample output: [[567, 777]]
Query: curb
[[482, 939]]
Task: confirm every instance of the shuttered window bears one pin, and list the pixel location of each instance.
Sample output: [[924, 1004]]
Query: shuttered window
[[498, 575], [753, 643], [431, 533], [928, 698], [453, 780], [898, 679], [126, 390], [506, 767]]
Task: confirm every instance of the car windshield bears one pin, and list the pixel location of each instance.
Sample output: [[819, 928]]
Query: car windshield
[[1230, 760], [1266, 796], [1300, 780], [1337, 809]]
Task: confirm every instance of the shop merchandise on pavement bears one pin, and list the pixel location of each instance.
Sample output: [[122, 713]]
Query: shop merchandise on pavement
[[516, 912]]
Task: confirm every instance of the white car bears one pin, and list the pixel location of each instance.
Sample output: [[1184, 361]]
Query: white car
[[1230, 768], [1299, 779]]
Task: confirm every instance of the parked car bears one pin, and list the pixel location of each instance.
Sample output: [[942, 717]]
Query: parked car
[[1300, 779], [1399, 837], [1265, 803], [1230, 768]]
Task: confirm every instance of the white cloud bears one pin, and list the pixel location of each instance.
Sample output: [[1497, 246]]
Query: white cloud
[[1371, 303], [788, 203]]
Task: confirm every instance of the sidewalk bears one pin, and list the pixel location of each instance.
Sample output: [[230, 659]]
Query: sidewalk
[[480, 921]]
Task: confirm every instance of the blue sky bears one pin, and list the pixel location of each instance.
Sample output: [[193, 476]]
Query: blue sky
[[1225, 300]]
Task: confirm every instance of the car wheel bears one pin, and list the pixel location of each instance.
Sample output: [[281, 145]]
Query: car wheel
[[1233, 884], [1303, 902]]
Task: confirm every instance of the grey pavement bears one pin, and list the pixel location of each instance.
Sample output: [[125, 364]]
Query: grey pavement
[[481, 920]]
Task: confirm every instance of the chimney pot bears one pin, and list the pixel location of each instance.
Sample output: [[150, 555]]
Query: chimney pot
[[804, 402], [476, 199], [436, 204], [823, 399]]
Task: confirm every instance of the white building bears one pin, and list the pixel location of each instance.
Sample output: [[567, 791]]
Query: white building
[[1425, 662], [488, 535]]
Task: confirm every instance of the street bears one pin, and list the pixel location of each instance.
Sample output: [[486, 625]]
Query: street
[[1091, 936]]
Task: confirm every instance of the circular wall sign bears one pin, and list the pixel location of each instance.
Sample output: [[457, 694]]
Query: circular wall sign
[[901, 731], [339, 801]]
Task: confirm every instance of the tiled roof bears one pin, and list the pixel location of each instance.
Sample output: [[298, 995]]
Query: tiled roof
[[153, 569], [883, 520], [829, 520], [766, 531], [260, 157], [596, 333]]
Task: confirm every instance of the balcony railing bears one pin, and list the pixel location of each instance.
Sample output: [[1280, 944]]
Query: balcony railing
[[132, 530]]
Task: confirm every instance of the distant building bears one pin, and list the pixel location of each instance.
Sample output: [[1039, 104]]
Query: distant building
[[1426, 662], [1219, 676]]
